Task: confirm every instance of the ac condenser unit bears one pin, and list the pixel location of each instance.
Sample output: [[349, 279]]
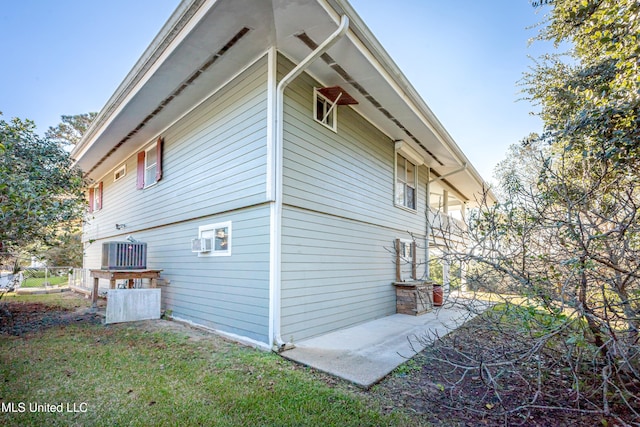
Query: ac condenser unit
[[124, 256], [201, 245]]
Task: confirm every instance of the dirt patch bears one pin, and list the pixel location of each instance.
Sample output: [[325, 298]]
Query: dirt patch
[[162, 325], [438, 386], [19, 318]]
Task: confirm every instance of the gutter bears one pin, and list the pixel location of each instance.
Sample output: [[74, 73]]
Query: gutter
[[441, 177], [276, 211]]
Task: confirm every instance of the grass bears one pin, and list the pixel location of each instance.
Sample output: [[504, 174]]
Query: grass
[[52, 300], [39, 282], [124, 375]]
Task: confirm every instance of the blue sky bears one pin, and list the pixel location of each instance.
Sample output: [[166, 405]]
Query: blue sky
[[464, 57]]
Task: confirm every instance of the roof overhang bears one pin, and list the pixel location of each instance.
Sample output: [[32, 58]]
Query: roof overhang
[[207, 42]]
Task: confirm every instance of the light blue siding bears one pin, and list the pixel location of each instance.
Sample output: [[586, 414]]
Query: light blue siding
[[214, 161], [340, 221], [214, 170]]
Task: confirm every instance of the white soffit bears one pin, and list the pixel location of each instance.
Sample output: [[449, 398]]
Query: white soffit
[[409, 153]]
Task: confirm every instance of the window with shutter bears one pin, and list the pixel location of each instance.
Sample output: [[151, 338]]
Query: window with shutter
[[91, 200], [95, 197], [150, 165], [98, 197]]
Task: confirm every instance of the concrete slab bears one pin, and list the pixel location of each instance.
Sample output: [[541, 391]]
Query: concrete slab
[[366, 353], [42, 291]]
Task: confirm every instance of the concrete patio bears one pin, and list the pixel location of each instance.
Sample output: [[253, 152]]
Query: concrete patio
[[366, 353]]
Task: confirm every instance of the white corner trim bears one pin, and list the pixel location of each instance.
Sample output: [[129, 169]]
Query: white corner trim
[[272, 69]]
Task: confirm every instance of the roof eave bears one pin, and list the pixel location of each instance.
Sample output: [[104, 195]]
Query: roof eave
[[366, 37], [168, 34]]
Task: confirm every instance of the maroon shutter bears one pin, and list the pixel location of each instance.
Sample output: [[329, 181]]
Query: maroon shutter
[[159, 158], [99, 201], [140, 181], [90, 200]]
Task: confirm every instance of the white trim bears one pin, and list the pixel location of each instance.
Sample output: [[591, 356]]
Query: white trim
[[395, 184], [213, 228], [97, 197], [275, 276], [148, 183], [403, 88], [333, 111], [272, 170], [409, 153], [233, 337], [272, 70], [165, 130], [132, 92]]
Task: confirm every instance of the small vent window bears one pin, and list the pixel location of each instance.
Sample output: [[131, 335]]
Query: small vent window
[[119, 173], [324, 111]]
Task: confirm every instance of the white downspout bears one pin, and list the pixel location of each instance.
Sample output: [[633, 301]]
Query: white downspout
[[276, 258]]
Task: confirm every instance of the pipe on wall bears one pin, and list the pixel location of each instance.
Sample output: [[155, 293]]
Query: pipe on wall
[[276, 248]]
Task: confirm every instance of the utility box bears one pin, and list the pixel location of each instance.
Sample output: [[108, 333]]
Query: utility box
[[124, 256]]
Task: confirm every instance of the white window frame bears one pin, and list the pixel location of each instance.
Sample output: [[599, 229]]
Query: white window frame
[[332, 111], [211, 231], [97, 198], [406, 246], [404, 204], [407, 255], [119, 173], [147, 167]]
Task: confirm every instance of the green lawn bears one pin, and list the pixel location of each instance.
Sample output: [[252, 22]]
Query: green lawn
[[123, 375], [39, 282]]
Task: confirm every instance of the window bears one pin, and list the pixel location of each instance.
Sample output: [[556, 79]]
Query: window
[[406, 268], [406, 182], [120, 173], [150, 165], [406, 250], [95, 198], [324, 110], [220, 234]]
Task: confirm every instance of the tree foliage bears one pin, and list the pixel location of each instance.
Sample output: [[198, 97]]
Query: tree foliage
[[71, 129], [591, 104], [41, 193], [566, 235]]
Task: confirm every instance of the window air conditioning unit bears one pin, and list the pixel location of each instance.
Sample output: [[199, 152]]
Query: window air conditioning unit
[[124, 256], [201, 245]]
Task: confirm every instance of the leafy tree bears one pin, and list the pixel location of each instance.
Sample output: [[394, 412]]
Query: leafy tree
[[41, 193], [591, 104], [566, 236], [68, 252], [71, 129]]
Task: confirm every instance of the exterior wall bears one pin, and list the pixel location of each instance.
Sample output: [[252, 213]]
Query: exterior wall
[[339, 220], [214, 170]]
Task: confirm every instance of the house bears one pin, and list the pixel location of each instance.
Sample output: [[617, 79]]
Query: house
[[279, 139]]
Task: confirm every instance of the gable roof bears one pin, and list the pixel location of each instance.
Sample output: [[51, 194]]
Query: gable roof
[[206, 42]]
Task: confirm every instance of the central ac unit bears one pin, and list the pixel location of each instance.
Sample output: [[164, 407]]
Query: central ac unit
[[201, 245], [124, 256]]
